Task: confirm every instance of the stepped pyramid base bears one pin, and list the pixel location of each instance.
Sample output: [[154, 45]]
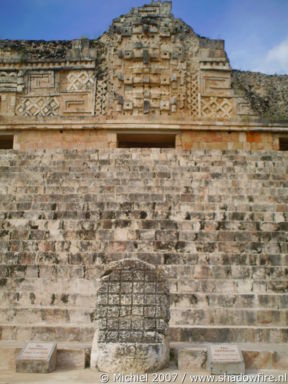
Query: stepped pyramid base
[[216, 221]]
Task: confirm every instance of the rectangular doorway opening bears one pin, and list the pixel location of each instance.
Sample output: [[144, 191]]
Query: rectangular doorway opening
[[6, 141], [134, 140], [283, 143]]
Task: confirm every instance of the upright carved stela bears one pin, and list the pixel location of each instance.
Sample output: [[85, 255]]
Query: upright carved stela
[[132, 315]]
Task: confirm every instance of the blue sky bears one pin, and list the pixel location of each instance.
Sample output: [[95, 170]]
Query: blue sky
[[255, 31]]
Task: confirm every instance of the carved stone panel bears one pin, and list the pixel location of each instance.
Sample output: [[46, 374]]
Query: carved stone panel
[[132, 316], [214, 83], [41, 80], [11, 81], [101, 97], [76, 104], [7, 104], [217, 108], [80, 81], [45, 106]]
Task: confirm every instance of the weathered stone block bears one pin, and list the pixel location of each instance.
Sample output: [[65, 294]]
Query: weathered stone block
[[192, 359], [37, 358], [225, 359], [71, 359]]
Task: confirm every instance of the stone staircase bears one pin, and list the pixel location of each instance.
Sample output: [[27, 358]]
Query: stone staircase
[[216, 221]]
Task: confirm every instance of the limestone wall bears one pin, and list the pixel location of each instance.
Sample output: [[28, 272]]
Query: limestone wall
[[216, 221]]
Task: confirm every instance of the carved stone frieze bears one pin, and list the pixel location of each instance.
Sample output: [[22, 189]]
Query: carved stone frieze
[[101, 97], [41, 80], [11, 81], [216, 107], [76, 104], [80, 80], [38, 106], [148, 64]]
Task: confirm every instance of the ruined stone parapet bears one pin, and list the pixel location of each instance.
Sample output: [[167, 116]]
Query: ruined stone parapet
[[267, 94], [149, 65]]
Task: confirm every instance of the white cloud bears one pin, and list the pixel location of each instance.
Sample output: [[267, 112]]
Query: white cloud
[[279, 55], [276, 60]]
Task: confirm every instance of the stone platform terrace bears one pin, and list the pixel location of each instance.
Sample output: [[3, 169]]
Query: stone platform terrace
[[216, 221], [88, 376]]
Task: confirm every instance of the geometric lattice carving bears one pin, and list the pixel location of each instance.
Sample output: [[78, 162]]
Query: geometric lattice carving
[[193, 92], [216, 107], [100, 99], [80, 80], [132, 304], [38, 106]]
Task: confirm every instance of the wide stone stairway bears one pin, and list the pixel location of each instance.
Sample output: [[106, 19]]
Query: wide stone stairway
[[216, 221]]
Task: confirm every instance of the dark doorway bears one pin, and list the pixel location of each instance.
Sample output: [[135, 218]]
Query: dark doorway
[[283, 143], [135, 140], [6, 141]]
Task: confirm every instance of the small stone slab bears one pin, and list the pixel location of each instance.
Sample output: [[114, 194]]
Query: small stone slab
[[37, 358], [192, 359], [225, 359]]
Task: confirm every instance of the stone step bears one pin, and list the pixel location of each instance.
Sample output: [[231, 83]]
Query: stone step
[[179, 333], [126, 242], [69, 355], [77, 283], [179, 316], [197, 272], [63, 253], [261, 357], [120, 153], [26, 279], [217, 221], [179, 301], [189, 357], [47, 332]]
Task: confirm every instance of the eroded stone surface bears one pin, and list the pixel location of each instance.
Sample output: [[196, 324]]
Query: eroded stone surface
[[132, 316], [225, 359], [148, 63], [192, 359], [37, 358]]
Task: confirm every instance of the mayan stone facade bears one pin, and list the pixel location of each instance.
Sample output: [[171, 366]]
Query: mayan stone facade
[[149, 73], [132, 316]]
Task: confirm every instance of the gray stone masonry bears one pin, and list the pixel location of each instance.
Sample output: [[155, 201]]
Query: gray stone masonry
[[37, 358], [216, 221]]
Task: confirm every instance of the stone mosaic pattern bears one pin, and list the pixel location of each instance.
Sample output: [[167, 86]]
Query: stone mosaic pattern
[[80, 80], [213, 107], [38, 106], [148, 64], [153, 64]]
